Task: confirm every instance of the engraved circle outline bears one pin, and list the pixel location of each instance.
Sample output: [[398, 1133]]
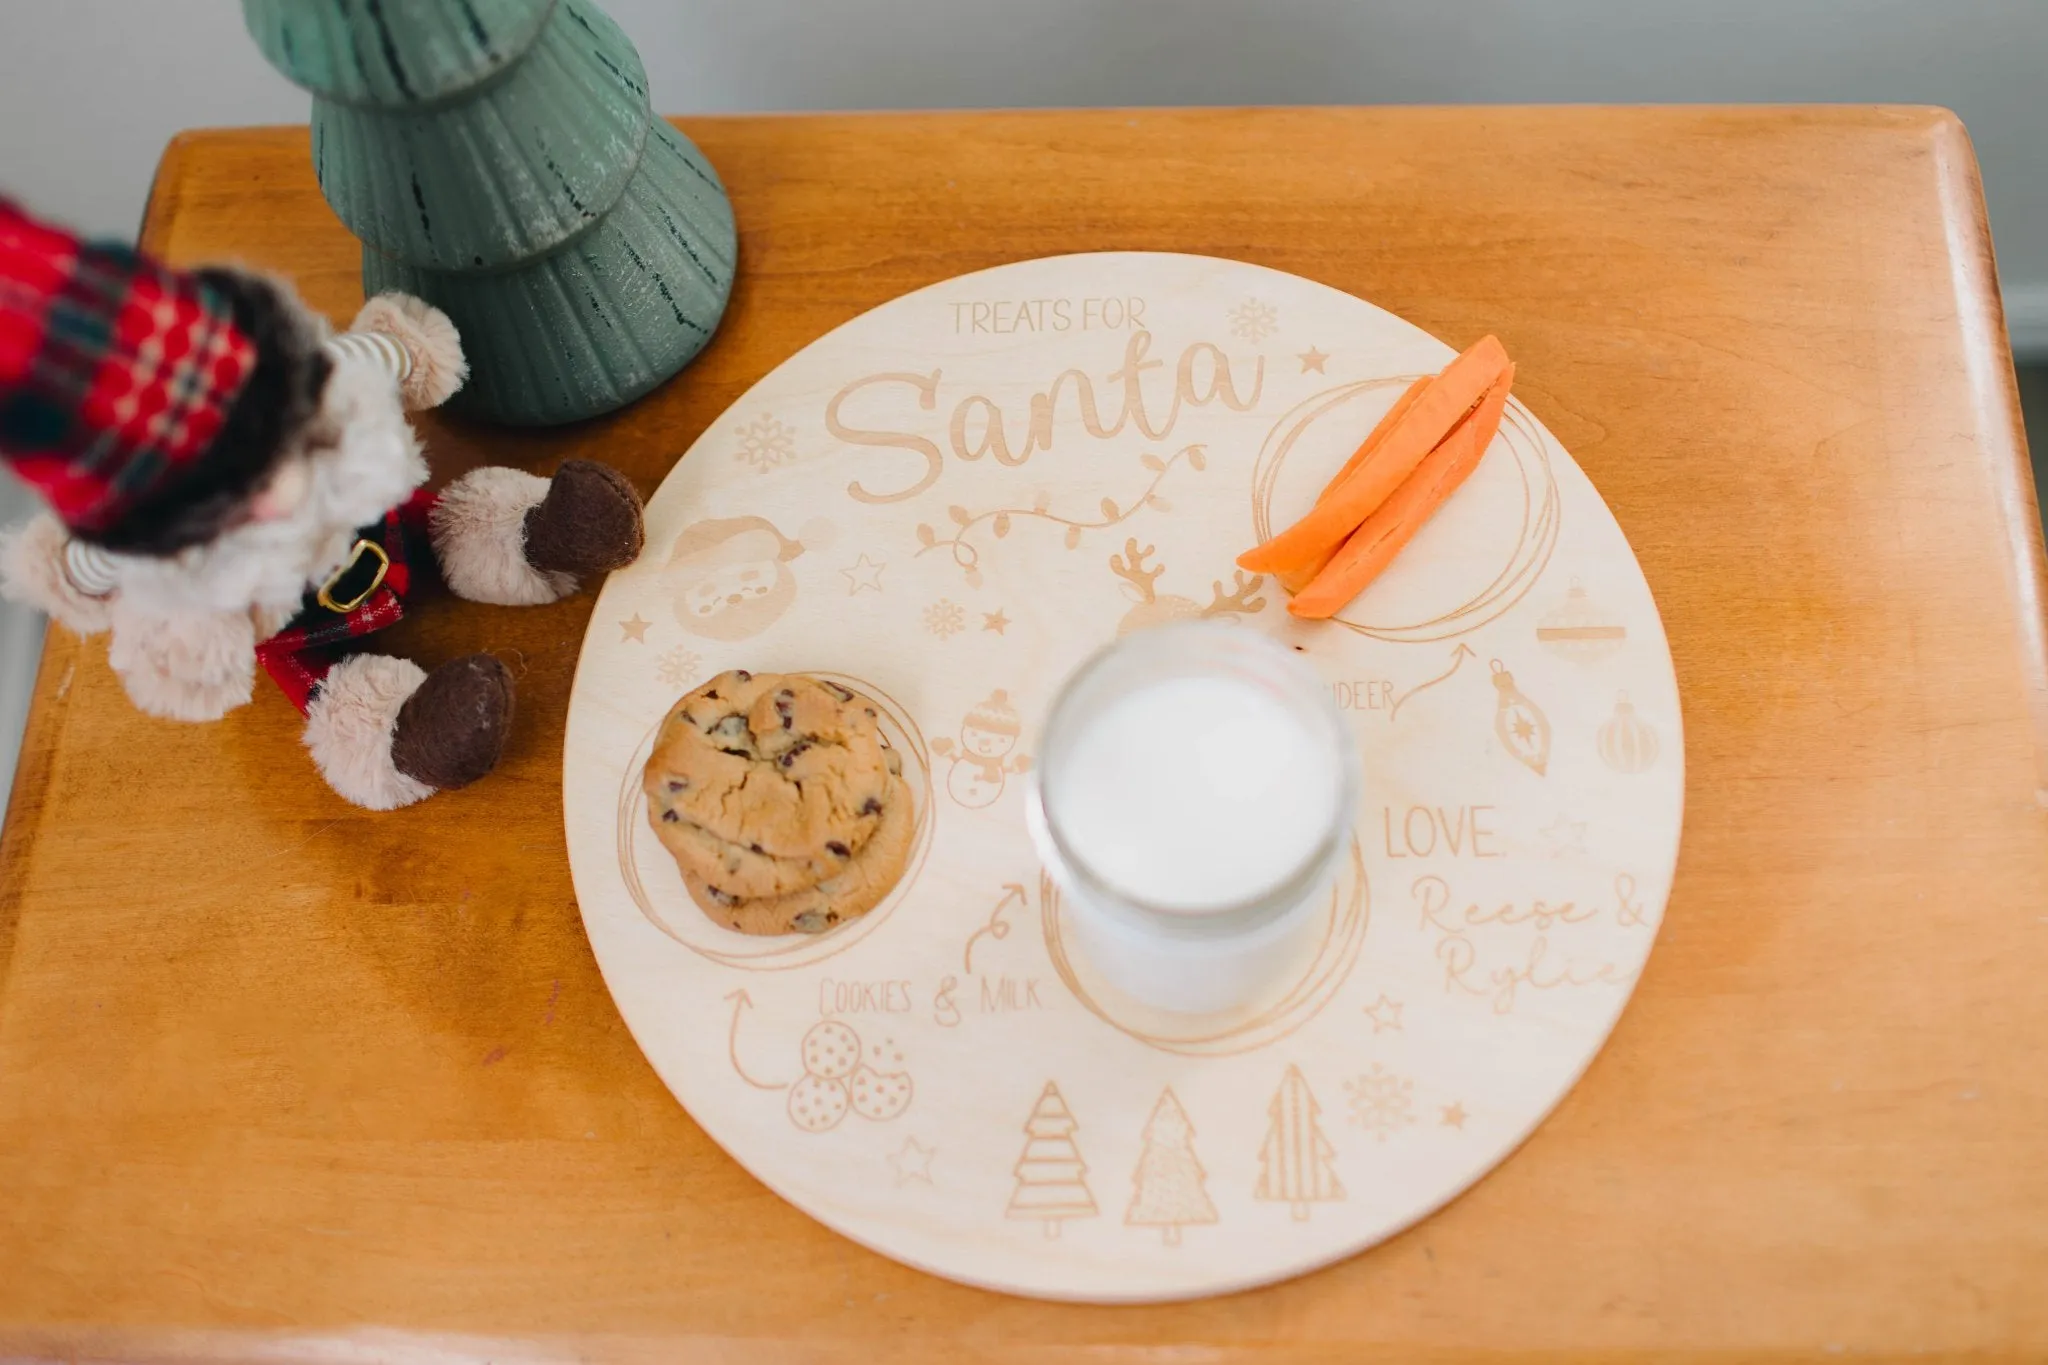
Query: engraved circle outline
[[782, 952], [1346, 921], [1536, 537]]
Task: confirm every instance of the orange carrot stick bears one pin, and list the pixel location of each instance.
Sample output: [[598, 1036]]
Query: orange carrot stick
[[1308, 544], [1379, 432], [1389, 529], [1296, 580]]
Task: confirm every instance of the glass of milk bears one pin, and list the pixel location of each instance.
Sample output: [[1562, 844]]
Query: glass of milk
[[1195, 790]]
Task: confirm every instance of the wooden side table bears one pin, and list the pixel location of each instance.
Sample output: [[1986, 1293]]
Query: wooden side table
[[280, 1078]]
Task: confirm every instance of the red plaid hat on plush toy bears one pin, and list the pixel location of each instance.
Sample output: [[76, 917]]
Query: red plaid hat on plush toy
[[119, 384]]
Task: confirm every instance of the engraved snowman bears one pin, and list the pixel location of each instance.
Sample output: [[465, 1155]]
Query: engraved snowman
[[983, 760]]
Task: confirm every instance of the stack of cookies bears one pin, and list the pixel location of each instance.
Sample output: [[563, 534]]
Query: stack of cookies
[[781, 800]]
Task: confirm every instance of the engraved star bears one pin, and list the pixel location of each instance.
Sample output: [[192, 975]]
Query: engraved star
[[1523, 729], [863, 573], [994, 620], [1454, 1115], [1312, 359], [634, 628], [1385, 1014], [1565, 835], [914, 1162]]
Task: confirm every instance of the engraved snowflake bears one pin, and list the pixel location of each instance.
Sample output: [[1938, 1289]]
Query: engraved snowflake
[[1381, 1101], [678, 667], [945, 617], [766, 443], [1254, 320]]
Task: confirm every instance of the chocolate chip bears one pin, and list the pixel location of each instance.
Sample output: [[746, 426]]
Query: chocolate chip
[[743, 675], [720, 897], [788, 714], [871, 807], [838, 850], [679, 784], [870, 710], [789, 758], [670, 817], [712, 695], [756, 848], [836, 690], [813, 922], [732, 731]]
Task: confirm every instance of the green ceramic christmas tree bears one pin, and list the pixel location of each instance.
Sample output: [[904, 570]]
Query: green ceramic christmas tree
[[499, 159]]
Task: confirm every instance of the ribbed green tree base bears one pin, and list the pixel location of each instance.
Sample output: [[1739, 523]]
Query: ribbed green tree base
[[499, 159], [596, 324]]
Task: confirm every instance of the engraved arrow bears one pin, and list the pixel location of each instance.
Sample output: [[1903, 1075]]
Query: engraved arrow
[[1458, 657], [742, 1001], [997, 926]]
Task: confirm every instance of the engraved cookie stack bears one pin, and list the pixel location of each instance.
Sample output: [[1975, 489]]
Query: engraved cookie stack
[[781, 800]]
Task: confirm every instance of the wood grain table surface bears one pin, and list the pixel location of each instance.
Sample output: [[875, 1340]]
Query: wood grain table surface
[[280, 1078]]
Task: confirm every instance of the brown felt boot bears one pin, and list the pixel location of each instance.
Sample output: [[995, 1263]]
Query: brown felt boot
[[588, 523], [452, 728]]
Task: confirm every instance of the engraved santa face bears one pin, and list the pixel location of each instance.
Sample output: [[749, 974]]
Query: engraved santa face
[[730, 585], [731, 577]]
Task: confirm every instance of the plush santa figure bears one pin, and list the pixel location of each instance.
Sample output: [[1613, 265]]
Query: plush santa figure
[[231, 484]]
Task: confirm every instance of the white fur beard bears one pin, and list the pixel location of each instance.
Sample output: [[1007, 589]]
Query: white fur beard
[[267, 566]]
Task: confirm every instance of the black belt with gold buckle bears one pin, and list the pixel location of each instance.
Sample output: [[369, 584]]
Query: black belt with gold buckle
[[367, 564]]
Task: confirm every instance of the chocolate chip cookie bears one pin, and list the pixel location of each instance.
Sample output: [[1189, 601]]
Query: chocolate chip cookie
[[850, 891], [767, 784]]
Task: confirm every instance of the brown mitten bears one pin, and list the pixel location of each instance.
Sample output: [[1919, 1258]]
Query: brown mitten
[[452, 729], [589, 522]]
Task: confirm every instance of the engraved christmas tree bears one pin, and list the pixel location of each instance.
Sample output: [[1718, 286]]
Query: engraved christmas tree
[[1052, 1180], [1294, 1162], [499, 158], [1169, 1192]]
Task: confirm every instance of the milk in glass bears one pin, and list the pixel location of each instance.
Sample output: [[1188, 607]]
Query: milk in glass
[[1196, 790]]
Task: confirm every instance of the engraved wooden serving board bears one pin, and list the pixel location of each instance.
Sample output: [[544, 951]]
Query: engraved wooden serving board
[[948, 503]]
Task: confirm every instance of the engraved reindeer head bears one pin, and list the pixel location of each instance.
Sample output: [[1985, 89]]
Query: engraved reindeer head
[[1153, 609]]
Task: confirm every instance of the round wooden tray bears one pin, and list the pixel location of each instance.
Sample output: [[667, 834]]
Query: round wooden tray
[[951, 501]]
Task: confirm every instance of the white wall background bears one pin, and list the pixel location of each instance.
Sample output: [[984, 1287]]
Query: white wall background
[[90, 89]]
